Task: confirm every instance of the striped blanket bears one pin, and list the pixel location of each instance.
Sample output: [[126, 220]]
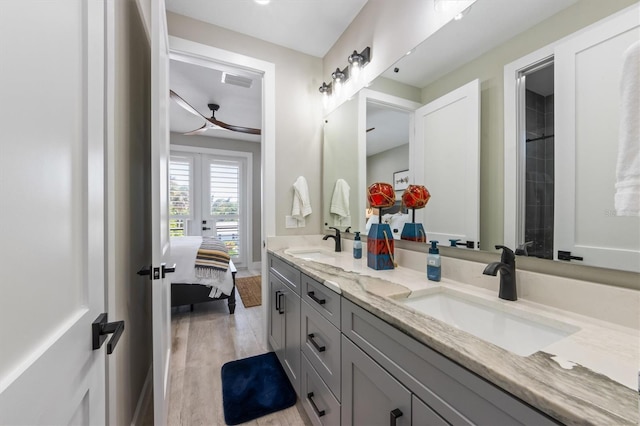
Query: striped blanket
[[212, 259]]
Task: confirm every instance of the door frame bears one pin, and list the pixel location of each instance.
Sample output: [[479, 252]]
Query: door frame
[[197, 53]]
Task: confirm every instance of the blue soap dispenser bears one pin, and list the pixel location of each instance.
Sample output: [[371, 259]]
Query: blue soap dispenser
[[433, 262], [357, 246]]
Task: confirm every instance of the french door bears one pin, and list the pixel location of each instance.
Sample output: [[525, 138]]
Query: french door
[[209, 197]]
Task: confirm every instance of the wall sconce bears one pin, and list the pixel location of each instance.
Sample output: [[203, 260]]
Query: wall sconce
[[357, 61], [325, 89]]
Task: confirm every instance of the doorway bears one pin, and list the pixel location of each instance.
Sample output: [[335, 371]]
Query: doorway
[[536, 113]]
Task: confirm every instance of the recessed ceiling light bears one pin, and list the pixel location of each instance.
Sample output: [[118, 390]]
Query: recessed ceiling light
[[262, 1]]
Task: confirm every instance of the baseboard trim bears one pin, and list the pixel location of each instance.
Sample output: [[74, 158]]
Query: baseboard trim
[[256, 266], [145, 399]]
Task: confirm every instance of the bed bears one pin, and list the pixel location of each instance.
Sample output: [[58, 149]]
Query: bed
[[186, 288]]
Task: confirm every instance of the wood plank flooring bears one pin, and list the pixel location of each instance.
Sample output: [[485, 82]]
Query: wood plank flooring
[[202, 341]]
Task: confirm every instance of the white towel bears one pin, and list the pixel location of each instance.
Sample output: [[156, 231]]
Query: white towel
[[340, 198], [627, 198], [301, 204]]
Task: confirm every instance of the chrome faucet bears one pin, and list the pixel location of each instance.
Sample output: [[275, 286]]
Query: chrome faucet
[[507, 268], [336, 238]]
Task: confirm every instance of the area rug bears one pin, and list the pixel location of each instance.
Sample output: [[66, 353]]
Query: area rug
[[254, 387], [250, 289]]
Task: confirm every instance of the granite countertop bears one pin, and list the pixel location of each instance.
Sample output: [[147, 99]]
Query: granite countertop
[[588, 377]]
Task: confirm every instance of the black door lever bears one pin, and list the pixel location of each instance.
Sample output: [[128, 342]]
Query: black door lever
[[99, 330], [167, 269]]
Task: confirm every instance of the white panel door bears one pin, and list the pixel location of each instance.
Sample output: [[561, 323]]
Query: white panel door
[[161, 286], [587, 121], [447, 161], [52, 276]]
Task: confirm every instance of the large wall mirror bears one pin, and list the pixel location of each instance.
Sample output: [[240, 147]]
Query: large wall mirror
[[463, 51]]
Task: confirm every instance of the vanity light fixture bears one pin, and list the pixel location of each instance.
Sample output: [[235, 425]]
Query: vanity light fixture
[[262, 2], [357, 61], [325, 89], [340, 77]]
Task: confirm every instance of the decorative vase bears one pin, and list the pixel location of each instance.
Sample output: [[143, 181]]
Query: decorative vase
[[380, 247]]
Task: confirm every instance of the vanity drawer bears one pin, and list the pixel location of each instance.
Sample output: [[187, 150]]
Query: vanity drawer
[[323, 299], [318, 401], [290, 274], [320, 342]]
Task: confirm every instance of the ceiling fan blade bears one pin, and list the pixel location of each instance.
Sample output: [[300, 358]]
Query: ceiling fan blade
[[184, 104], [233, 128], [202, 129]]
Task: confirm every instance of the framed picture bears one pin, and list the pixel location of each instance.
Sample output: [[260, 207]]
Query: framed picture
[[401, 180]]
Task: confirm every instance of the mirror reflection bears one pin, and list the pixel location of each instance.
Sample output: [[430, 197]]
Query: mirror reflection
[[466, 50]]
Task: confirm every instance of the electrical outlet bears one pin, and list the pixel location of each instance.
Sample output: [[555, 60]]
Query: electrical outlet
[[290, 222]]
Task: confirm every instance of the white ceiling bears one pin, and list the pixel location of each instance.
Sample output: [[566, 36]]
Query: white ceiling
[[281, 22], [308, 26]]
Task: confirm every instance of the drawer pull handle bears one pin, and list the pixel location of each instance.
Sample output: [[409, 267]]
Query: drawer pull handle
[[315, 345], [319, 413], [394, 416], [312, 295]]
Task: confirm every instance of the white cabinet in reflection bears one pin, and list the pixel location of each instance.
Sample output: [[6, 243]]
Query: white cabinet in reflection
[[446, 159]]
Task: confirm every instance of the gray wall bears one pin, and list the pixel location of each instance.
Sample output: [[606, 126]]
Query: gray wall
[[298, 113], [380, 167], [200, 141], [131, 247]]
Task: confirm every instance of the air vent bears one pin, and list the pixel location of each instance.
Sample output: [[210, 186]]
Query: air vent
[[236, 80]]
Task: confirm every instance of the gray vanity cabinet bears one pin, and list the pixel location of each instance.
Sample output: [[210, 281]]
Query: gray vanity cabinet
[[457, 395], [284, 317]]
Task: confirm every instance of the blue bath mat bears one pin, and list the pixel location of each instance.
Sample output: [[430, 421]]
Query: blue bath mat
[[254, 387]]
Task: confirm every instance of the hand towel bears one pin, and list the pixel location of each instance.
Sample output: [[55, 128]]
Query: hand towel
[[301, 204], [627, 197], [340, 198]]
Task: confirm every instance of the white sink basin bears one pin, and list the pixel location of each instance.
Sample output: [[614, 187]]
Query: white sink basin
[[317, 254], [517, 331]]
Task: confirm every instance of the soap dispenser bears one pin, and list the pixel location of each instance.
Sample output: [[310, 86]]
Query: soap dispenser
[[357, 246], [433, 262]]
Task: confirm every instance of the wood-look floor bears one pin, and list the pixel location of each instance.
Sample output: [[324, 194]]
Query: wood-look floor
[[202, 341]]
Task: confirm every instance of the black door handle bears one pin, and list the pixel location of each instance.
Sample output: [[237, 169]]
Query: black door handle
[[277, 294], [153, 273], [99, 330], [145, 271], [395, 413], [167, 270], [281, 307], [206, 228]]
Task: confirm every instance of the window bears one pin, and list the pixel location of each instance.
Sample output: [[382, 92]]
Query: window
[[180, 194], [225, 201]]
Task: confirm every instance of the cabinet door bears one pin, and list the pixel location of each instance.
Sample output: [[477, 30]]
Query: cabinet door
[[588, 121], [291, 308], [370, 395], [422, 415], [276, 316]]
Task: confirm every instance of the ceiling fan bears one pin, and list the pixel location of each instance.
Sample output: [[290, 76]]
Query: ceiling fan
[[212, 122]]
